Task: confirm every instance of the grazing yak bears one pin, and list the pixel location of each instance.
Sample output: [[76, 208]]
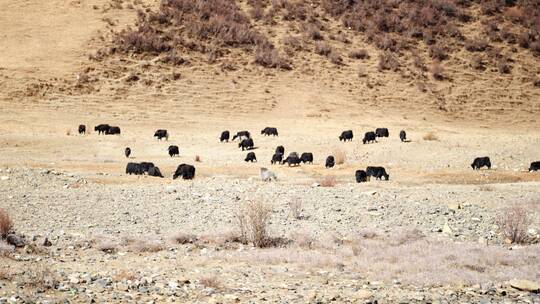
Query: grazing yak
[[361, 176], [113, 131], [173, 150], [185, 171], [403, 136], [280, 149], [161, 133], [246, 144], [535, 166], [225, 135], [241, 134], [250, 157], [346, 135], [381, 132], [145, 166], [277, 158], [154, 171], [330, 161], [82, 129], [102, 128], [480, 162], [292, 159], [134, 168], [269, 131], [267, 175], [127, 152], [377, 172], [369, 137], [307, 157]]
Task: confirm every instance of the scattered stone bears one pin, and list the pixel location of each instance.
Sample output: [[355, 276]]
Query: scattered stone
[[15, 240], [47, 243], [447, 230]]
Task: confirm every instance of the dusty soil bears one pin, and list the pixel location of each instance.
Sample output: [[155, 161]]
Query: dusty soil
[[429, 234]]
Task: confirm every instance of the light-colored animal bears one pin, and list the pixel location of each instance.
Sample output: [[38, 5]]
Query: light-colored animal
[[267, 175]]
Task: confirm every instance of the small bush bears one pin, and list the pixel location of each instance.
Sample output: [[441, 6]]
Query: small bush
[[340, 156], [296, 209], [107, 246], [5, 223], [269, 57], [183, 238], [253, 221], [514, 223], [198, 159], [476, 45], [322, 48], [361, 72], [430, 136], [536, 82], [477, 63], [335, 58], [359, 54], [293, 42], [437, 52], [387, 61], [328, 181], [313, 33], [210, 282], [437, 70], [6, 249], [503, 66]]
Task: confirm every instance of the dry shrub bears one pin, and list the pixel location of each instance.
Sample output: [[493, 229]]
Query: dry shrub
[[430, 136], [437, 52], [252, 220], [340, 156], [6, 249], [146, 244], [304, 240], [295, 206], [107, 245], [437, 70], [328, 181], [292, 42], [503, 66], [387, 61], [5, 223], [210, 282], [476, 45], [323, 48], [198, 158], [313, 32], [477, 63], [514, 223], [183, 238], [68, 132], [536, 82], [269, 57], [335, 58], [359, 54], [38, 276]]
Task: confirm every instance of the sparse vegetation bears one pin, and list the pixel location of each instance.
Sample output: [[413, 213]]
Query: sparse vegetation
[[210, 282], [6, 224], [252, 220], [340, 156], [430, 136], [328, 181], [295, 206], [514, 223]]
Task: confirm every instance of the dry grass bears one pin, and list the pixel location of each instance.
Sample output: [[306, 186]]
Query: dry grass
[[106, 245], [295, 206], [6, 224], [6, 249], [143, 243], [514, 223], [39, 276], [411, 257], [328, 181], [183, 238], [430, 136], [253, 220], [211, 282], [340, 156]]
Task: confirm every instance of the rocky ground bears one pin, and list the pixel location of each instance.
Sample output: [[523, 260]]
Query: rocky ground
[[356, 243]]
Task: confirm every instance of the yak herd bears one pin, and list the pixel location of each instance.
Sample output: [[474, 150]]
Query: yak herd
[[187, 171]]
